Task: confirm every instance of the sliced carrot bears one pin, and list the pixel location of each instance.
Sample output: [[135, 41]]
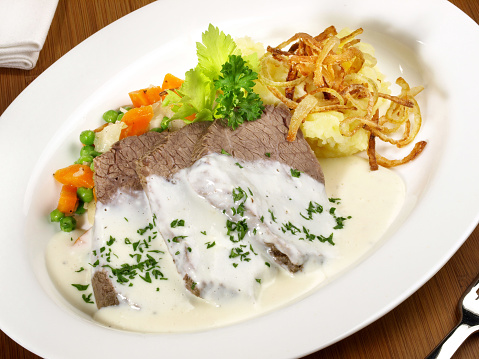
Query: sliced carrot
[[191, 117], [75, 175], [139, 98], [68, 201], [171, 82], [137, 120], [153, 94], [150, 95]]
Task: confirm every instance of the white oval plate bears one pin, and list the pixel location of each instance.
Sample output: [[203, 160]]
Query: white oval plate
[[422, 40]]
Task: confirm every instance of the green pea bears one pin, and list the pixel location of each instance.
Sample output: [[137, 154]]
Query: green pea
[[127, 108], [81, 208], [89, 151], [87, 137], [92, 166], [84, 159], [56, 215], [67, 224], [85, 194], [110, 116]]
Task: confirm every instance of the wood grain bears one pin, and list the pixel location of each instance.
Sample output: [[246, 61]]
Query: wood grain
[[409, 331]]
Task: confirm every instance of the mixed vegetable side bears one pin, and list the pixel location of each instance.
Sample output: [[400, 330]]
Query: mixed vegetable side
[[220, 86]]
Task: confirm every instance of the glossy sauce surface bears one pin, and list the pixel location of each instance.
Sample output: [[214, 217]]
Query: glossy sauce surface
[[372, 199]]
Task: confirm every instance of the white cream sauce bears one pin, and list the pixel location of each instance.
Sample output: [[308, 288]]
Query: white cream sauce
[[372, 199], [229, 212]]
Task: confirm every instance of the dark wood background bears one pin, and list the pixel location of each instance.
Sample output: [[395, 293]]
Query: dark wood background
[[409, 331]]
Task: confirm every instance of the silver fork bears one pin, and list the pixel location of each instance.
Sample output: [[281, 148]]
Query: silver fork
[[469, 323]]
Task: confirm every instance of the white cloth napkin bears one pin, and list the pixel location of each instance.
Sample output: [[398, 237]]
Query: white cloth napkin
[[24, 27]]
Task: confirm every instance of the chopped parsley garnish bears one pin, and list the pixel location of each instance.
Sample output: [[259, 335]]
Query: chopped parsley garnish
[[80, 270], [87, 298], [272, 215], [290, 227], [238, 164], [267, 154], [209, 245], [177, 238], [146, 278], [258, 280], [177, 223], [340, 222], [312, 208], [323, 239], [81, 287], [137, 256], [238, 194], [127, 272], [238, 210], [240, 227], [239, 252], [146, 266], [110, 241], [135, 245], [295, 173], [143, 230], [203, 233], [223, 152]]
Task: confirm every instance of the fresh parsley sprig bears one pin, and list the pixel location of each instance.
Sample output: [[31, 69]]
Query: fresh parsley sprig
[[237, 102]]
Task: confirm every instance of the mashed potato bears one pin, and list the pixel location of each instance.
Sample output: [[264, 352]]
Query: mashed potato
[[322, 129]]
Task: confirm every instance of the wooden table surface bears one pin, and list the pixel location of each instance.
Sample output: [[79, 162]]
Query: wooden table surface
[[409, 331]]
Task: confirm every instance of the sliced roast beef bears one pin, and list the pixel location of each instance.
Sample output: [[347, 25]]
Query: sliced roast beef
[[114, 174], [115, 169], [264, 139], [173, 154]]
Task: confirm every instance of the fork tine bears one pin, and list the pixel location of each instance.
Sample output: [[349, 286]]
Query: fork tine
[[469, 323]]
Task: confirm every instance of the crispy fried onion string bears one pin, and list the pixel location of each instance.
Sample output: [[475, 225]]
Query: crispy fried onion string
[[322, 73]]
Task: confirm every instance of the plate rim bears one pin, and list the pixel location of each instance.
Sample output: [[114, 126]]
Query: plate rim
[[32, 88]]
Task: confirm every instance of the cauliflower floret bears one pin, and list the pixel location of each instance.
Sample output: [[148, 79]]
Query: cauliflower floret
[[108, 136]]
